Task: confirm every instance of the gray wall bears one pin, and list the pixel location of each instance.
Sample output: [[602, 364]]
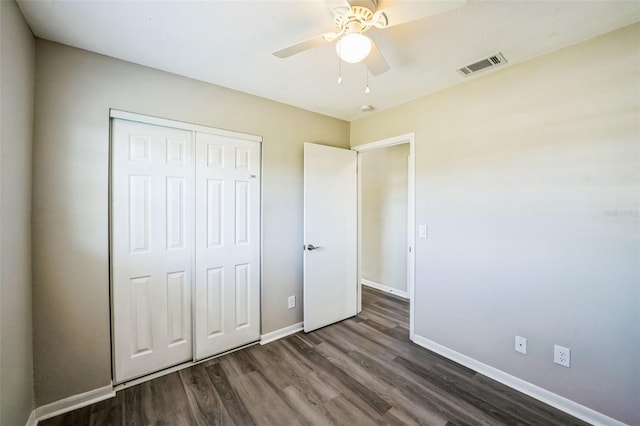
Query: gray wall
[[16, 121], [384, 180], [519, 174], [74, 91]]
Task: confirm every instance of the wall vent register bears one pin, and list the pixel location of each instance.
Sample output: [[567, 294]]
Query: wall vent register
[[483, 64]]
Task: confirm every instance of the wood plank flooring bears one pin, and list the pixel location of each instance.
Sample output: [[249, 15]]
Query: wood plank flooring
[[362, 371]]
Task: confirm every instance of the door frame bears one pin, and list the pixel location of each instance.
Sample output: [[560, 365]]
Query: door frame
[[411, 215]]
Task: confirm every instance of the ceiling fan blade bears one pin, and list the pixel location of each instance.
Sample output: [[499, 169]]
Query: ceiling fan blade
[[301, 46], [375, 61], [406, 11]]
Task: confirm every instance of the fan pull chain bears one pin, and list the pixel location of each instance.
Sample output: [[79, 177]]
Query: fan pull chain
[[339, 66], [366, 89]]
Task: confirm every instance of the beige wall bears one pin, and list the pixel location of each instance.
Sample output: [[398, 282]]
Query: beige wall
[[519, 174], [384, 180], [74, 91], [16, 120]]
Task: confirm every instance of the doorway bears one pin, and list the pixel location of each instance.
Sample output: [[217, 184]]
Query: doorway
[[386, 205]]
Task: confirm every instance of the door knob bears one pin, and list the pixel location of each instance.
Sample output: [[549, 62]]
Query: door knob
[[312, 247]]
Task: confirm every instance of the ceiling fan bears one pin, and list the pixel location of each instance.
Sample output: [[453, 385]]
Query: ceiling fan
[[353, 18]]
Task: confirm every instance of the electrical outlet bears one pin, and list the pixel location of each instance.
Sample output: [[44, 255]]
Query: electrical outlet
[[562, 355], [292, 302], [521, 345]]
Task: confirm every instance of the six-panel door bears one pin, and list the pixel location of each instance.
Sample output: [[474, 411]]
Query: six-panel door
[[185, 218], [152, 247], [227, 301]]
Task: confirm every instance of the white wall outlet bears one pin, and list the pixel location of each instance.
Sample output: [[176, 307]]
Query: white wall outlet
[[291, 302], [521, 345], [562, 355], [423, 231]]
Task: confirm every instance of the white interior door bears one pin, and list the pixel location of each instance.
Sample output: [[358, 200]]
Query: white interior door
[[330, 235], [227, 298], [152, 241]]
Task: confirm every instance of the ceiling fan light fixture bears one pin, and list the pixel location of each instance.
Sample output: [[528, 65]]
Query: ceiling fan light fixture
[[353, 47]]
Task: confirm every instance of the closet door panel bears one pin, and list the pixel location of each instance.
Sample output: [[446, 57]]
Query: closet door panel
[[152, 247], [227, 274]]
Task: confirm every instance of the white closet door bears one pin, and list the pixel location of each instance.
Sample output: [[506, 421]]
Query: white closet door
[[152, 247], [227, 298]]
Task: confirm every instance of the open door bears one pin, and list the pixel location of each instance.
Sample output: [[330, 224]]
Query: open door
[[330, 235]]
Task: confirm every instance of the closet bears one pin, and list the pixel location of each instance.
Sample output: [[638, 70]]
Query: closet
[[185, 242]]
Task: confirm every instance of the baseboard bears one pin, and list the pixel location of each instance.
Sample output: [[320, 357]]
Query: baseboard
[[74, 402], [279, 334], [561, 403], [32, 420], [385, 288]]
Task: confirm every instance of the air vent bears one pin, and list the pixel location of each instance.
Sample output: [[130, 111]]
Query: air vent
[[483, 64]]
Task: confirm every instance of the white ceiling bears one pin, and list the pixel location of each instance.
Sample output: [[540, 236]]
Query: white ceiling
[[229, 43]]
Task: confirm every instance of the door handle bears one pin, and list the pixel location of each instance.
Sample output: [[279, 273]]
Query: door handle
[[312, 247]]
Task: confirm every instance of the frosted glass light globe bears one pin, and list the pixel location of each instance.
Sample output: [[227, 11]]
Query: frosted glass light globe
[[353, 47]]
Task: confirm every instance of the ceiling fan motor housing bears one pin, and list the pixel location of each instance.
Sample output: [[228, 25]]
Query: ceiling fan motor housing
[[370, 5], [362, 12]]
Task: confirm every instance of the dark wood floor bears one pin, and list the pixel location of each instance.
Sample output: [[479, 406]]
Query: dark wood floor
[[362, 371]]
